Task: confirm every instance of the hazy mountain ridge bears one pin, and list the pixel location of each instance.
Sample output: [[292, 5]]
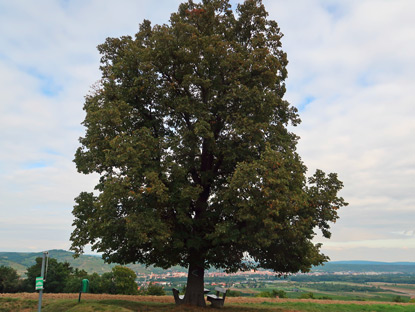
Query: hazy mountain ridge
[[371, 262], [20, 261], [366, 266]]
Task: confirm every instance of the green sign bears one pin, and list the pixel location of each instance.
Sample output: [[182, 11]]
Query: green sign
[[39, 283], [85, 286]]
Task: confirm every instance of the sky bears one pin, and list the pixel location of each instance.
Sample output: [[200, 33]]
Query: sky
[[351, 74]]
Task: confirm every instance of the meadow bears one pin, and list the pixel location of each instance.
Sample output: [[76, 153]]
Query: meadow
[[25, 302]]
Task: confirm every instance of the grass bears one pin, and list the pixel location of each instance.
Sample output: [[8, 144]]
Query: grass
[[71, 305], [17, 305], [122, 306], [381, 295]]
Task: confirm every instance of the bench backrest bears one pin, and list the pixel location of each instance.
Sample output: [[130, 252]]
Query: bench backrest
[[221, 290]]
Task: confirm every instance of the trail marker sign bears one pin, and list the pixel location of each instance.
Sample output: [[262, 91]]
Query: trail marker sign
[[39, 283]]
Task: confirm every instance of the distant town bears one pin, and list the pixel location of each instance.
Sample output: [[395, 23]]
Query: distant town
[[248, 279]]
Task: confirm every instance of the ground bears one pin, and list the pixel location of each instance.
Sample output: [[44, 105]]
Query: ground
[[169, 299]]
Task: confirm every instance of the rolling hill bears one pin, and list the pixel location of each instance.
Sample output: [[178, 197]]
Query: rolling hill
[[20, 261]]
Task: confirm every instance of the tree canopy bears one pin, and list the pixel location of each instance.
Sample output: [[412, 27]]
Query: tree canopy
[[9, 280], [57, 275], [188, 130], [121, 280]]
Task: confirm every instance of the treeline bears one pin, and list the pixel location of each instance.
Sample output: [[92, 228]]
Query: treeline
[[358, 279], [60, 277]]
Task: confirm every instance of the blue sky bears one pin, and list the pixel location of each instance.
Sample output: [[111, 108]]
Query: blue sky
[[351, 74]]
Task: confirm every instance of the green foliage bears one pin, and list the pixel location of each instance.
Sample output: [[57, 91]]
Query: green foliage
[[188, 130], [73, 283], [398, 299], [233, 293], [9, 280], [152, 290], [272, 294], [57, 275], [121, 280], [308, 295], [325, 298], [279, 293], [124, 280]]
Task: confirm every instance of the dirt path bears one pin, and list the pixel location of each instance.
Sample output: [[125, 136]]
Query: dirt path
[[169, 299]]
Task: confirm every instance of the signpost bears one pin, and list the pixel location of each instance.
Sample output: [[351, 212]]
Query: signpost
[[40, 280], [39, 283]]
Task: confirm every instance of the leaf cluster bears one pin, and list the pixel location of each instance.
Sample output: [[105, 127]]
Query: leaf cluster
[[187, 129]]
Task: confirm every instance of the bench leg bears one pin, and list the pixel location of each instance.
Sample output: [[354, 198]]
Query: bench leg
[[217, 303]]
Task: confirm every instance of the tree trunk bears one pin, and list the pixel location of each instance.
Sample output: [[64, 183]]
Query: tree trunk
[[195, 286]]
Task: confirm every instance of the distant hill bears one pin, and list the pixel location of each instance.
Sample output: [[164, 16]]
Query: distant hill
[[20, 261], [372, 262], [366, 266]]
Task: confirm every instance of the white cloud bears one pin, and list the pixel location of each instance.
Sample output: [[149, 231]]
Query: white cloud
[[358, 70]]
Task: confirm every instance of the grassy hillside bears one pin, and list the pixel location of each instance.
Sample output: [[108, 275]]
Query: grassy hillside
[[20, 261]]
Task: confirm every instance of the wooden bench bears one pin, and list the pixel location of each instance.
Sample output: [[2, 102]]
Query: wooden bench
[[218, 300], [177, 298]]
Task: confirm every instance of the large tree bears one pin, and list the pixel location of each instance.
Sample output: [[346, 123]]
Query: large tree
[[187, 129]]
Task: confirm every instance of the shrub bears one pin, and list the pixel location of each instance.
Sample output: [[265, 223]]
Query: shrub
[[152, 290], [272, 294], [308, 295], [398, 299], [325, 298], [233, 293], [279, 293]]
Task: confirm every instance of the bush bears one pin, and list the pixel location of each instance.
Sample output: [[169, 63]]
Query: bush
[[325, 298], [308, 295], [272, 294], [152, 290], [279, 293], [233, 293], [398, 299]]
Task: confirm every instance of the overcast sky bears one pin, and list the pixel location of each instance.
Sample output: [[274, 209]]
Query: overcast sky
[[351, 74]]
